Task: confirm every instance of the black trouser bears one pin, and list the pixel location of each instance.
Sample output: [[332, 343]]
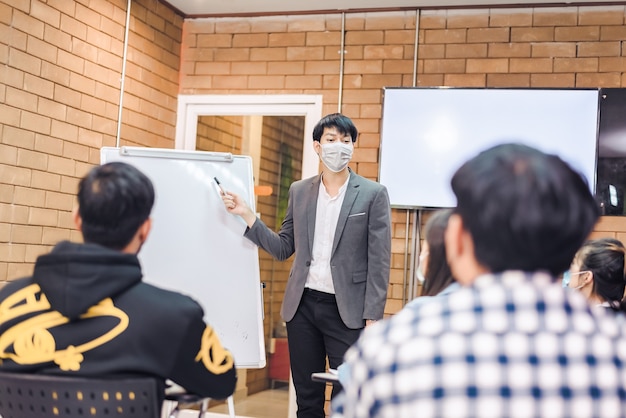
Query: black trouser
[[316, 331]]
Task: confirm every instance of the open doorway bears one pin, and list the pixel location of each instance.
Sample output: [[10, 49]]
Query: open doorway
[[275, 145]]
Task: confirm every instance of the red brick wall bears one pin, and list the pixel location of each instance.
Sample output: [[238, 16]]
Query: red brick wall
[[219, 134], [60, 69], [523, 47]]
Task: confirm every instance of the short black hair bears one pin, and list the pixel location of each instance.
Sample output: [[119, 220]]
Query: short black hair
[[344, 125], [114, 200], [604, 257], [525, 209]]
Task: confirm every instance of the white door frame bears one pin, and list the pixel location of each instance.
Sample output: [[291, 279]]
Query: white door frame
[[190, 107]]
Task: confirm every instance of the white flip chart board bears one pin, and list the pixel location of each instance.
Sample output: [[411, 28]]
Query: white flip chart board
[[196, 247]]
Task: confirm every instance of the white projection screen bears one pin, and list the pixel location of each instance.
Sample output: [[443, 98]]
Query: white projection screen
[[427, 133]]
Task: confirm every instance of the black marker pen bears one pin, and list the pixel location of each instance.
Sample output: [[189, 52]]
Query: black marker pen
[[219, 185]]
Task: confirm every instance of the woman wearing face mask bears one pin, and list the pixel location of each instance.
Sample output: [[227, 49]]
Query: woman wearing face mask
[[338, 224], [597, 271], [433, 270]]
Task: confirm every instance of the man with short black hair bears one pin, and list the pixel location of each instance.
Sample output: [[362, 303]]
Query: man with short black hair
[[512, 342], [86, 312], [338, 225]]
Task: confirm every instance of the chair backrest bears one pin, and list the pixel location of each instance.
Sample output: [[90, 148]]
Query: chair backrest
[[41, 396]]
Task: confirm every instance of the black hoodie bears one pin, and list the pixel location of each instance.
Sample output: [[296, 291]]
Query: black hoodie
[[86, 312]]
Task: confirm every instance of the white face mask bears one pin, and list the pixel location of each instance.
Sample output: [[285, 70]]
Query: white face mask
[[420, 275], [420, 267], [336, 155]]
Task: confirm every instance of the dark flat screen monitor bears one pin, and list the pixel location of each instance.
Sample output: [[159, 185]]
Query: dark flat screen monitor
[[611, 178]]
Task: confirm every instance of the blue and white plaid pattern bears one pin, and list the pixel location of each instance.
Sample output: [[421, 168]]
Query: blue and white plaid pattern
[[511, 345]]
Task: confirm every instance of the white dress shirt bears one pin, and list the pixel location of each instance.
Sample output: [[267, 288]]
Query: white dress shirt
[[327, 215]]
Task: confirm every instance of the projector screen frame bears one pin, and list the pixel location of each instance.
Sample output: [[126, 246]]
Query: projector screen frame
[[401, 118]]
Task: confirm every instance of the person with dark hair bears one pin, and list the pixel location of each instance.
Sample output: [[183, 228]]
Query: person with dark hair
[[597, 271], [114, 201], [338, 224], [433, 264], [86, 312], [511, 342], [433, 270]]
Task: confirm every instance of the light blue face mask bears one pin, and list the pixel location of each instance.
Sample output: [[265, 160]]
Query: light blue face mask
[[567, 277]]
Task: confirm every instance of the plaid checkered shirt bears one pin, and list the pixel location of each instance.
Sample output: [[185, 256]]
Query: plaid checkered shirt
[[511, 345]]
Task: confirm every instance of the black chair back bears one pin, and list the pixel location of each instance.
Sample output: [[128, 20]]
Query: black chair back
[[41, 396]]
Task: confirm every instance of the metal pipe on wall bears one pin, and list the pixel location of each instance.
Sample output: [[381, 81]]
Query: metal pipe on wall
[[341, 58], [416, 44], [406, 257], [415, 244], [123, 77], [417, 214]]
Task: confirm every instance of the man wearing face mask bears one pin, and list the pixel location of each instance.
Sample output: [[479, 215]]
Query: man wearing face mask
[[85, 311], [338, 224]]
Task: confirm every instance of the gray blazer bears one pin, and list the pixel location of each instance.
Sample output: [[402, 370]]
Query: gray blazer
[[361, 254]]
